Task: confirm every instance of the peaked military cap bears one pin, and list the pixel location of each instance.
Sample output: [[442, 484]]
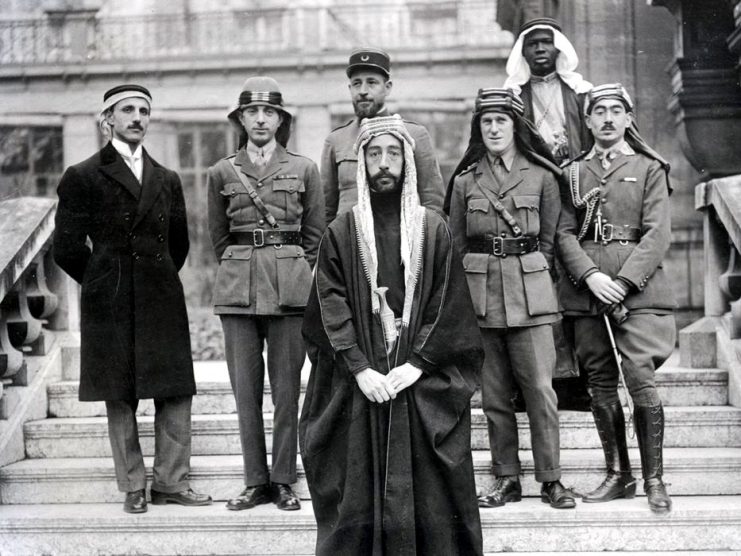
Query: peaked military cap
[[373, 59]]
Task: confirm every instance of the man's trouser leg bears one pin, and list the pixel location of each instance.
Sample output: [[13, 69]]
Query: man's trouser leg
[[497, 384], [532, 356], [644, 341], [243, 341], [286, 355], [124, 436], [172, 440]]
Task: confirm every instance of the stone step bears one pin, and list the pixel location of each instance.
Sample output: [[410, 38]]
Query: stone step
[[696, 426], [688, 471], [696, 523], [678, 386]]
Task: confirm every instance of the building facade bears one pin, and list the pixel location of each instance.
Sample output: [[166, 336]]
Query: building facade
[[58, 57]]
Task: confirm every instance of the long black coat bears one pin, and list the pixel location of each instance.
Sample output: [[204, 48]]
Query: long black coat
[[134, 325], [393, 478]]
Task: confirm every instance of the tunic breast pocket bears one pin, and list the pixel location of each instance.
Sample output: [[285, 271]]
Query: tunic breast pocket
[[347, 169], [527, 213], [478, 221], [232, 287], [237, 197], [287, 192]]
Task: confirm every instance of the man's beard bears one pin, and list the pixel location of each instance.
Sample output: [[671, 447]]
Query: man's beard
[[368, 109], [387, 185]]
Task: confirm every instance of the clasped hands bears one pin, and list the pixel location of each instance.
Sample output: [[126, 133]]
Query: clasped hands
[[604, 288], [382, 388]]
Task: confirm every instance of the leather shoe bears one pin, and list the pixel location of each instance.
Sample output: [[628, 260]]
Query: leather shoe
[[251, 497], [506, 489], [136, 502], [184, 498], [285, 499], [554, 493], [615, 485]]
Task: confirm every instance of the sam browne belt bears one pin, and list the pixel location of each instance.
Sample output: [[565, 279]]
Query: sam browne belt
[[610, 232], [502, 246], [259, 237]]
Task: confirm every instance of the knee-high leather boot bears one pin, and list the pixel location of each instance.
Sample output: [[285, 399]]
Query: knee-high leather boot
[[650, 431], [619, 482]]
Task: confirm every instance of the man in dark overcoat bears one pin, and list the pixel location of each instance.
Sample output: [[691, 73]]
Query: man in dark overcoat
[[121, 232], [386, 425], [369, 72], [613, 234]]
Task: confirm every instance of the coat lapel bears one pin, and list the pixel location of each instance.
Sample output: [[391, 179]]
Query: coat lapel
[[242, 160], [595, 166], [115, 168], [277, 162], [153, 178]]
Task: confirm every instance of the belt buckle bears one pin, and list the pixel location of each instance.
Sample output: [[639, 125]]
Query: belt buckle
[[497, 247], [255, 235], [604, 232]]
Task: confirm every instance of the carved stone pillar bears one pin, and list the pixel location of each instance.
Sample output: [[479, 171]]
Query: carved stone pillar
[[706, 99]]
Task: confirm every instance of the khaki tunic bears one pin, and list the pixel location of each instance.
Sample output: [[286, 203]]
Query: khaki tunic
[[513, 290], [633, 192], [270, 280]]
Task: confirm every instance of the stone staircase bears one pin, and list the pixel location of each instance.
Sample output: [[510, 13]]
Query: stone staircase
[[62, 499]]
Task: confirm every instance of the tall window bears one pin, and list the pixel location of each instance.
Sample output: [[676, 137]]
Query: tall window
[[31, 160], [200, 145]]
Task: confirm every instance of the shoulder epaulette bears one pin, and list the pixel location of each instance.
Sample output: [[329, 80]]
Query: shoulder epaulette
[[577, 157], [468, 168], [347, 123]]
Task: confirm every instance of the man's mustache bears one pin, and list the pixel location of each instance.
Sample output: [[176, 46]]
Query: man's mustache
[[136, 126], [607, 127]]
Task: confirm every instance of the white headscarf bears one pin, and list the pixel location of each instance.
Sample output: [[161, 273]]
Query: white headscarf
[[518, 71], [412, 212]]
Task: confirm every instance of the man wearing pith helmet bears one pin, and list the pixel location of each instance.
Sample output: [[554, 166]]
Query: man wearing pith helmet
[[369, 72], [613, 234], [121, 232], [266, 216]]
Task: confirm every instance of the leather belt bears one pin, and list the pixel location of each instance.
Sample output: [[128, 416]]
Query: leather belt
[[503, 246], [610, 232], [259, 237]]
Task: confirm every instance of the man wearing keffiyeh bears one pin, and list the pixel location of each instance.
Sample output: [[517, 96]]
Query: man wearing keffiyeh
[[395, 352], [541, 69], [613, 234]]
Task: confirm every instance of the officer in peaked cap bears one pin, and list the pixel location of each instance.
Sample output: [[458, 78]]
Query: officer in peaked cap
[[369, 72]]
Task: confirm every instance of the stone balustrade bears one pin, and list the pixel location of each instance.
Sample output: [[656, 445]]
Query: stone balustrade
[[34, 292], [84, 36], [720, 201]]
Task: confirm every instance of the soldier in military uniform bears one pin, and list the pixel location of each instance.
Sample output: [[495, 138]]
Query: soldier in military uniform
[[370, 84], [266, 216], [504, 211], [613, 234]]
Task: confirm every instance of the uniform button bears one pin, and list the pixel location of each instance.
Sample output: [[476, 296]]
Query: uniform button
[[603, 182], [133, 236], [229, 254], [605, 242], [161, 217], [501, 195], [135, 255], [503, 234], [259, 184], [161, 238], [261, 222], [158, 257]]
